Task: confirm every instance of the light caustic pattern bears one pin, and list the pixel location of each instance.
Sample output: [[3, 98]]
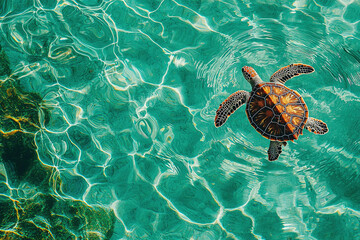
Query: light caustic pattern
[[133, 87]]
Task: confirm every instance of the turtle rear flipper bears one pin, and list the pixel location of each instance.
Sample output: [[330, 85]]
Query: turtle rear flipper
[[275, 150], [233, 102], [285, 73], [316, 126]]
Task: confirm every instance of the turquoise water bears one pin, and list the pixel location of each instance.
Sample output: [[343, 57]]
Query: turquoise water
[[123, 144]]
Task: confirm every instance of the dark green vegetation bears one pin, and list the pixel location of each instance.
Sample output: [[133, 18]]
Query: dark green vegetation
[[47, 217], [30, 208]]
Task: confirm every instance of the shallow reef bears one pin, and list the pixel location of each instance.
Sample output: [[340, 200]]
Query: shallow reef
[[48, 217], [31, 205]]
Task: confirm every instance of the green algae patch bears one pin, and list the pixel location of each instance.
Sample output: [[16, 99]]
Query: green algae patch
[[19, 109], [48, 217], [19, 156], [36, 211], [19, 121]]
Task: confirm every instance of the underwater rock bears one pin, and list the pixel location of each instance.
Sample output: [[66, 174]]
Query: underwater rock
[[19, 120], [18, 154], [30, 204], [48, 217]]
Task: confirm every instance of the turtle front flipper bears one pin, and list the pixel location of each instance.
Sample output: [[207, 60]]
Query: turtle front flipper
[[275, 150], [285, 73], [233, 102], [316, 126]]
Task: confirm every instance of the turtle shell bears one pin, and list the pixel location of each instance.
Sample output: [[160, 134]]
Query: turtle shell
[[277, 112]]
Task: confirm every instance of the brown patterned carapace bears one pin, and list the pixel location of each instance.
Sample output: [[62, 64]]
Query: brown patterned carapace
[[277, 112]]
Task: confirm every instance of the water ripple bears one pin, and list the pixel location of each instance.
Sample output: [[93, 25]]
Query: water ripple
[[132, 89]]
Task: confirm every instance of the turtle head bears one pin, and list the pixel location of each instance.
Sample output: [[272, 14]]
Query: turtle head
[[251, 76]]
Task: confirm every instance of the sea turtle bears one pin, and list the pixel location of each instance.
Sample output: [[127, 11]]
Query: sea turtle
[[274, 110]]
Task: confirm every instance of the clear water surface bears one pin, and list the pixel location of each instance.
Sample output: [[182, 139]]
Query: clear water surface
[[125, 131]]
